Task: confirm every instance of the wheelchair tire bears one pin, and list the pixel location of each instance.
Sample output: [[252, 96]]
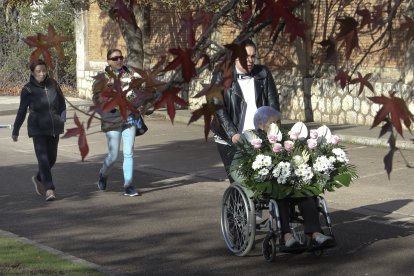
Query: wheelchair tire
[[269, 247], [238, 221]]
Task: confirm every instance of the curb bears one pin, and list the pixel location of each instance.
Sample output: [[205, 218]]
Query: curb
[[58, 253]]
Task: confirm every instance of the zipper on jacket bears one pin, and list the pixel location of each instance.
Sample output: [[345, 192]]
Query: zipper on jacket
[[50, 111]]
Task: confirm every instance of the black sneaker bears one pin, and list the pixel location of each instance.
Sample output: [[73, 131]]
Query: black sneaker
[[131, 191], [102, 182]]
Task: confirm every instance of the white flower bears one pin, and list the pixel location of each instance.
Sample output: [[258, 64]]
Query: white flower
[[264, 172], [274, 134], [304, 172], [332, 159], [340, 155], [322, 164], [260, 157], [282, 172], [257, 164], [267, 161], [300, 130], [297, 160]]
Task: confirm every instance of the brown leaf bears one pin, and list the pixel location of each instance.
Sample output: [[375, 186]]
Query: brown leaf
[[394, 109]]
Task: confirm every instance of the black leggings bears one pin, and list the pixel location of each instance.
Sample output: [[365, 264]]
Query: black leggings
[[308, 210], [46, 152]]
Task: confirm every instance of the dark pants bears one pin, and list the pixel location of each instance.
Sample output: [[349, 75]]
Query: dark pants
[[46, 153], [226, 153], [308, 210]]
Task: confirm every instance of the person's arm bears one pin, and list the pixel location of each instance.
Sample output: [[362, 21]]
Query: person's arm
[[230, 130], [96, 92], [21, 112], [62, 103], [272, 94]]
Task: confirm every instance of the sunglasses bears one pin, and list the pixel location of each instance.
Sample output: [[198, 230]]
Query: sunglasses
[[116, 58]]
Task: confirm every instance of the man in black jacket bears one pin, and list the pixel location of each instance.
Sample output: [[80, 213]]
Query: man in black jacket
[[251, 88]]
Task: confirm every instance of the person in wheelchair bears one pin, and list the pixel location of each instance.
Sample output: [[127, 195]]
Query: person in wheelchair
[[263, 118]]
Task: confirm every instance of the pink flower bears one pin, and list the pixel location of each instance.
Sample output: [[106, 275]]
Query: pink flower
[[288, 145], [312, 143], [335, 139], [294, 135], [272, 138], [313, 133], [256, 143], [277, 147]]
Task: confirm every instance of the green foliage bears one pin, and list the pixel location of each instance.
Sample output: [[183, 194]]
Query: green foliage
[[25, 20]]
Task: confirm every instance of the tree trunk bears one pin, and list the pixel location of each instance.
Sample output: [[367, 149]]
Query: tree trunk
[[134, 42], [307, 78]]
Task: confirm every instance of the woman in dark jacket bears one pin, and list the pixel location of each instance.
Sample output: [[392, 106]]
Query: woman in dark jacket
[[47, 115]]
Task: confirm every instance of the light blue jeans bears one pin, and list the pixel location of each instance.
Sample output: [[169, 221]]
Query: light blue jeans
[[114, 141]]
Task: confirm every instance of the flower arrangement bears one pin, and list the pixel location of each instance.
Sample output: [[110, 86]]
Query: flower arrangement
[[296, 163]]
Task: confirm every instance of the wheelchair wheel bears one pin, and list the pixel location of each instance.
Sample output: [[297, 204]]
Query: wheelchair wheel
[[238, 222], [269, 247]]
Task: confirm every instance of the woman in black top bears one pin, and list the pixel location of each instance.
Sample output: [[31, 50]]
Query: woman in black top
[[47, 115]]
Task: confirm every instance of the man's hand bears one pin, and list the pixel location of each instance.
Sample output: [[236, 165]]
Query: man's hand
[[15, 138], [235, 138]]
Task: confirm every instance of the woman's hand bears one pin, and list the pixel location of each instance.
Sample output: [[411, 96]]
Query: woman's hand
[[15, 138], [235, 138]]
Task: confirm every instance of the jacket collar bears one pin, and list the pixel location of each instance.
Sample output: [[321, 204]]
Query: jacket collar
[[39, 84]]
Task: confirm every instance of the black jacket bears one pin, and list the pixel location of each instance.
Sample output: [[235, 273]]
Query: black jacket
[[46, 105], [229, 117]]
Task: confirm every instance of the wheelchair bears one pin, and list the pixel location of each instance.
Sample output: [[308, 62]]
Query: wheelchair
[[239, 226]]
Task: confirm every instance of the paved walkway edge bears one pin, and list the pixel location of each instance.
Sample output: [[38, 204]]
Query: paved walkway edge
[[58, 253]]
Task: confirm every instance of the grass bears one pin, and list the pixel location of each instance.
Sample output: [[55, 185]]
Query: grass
[[19, 258]]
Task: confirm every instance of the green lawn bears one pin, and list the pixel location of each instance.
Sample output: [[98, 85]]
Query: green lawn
[[18, 258]]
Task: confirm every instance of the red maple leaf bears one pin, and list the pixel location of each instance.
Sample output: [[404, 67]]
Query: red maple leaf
[[281, 9], [79, 130], [184, 59], [407, 27], [169, 98], [210, 91], [115, 97], [349, 34], [343, 78], [42, 48], [55, 40], [121, 10], [42, 43], [226, 68], [363, 82], [149, 78], [393, 109], [207, 111]]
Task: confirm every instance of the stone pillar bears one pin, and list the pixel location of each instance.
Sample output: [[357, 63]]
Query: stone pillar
[[81, 35]]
